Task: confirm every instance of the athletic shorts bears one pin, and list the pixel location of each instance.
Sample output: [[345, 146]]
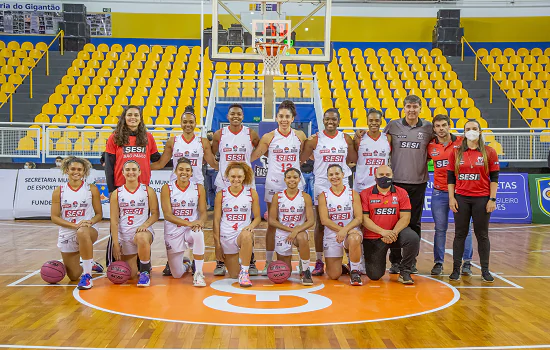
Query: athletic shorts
[[319, 187], [282, 247], [331, 248], [67, 241], [229, 243], [127, 242], [179, 242]]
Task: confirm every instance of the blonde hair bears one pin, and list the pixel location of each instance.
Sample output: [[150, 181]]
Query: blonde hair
[[464, 146], [72, 159], [248, 174]]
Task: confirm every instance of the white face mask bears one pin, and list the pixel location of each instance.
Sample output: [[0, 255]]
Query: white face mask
[[472, 135], [26, 166], [58, 164]]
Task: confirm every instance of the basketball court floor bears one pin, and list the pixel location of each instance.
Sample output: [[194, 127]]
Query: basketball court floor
[[513, 313]]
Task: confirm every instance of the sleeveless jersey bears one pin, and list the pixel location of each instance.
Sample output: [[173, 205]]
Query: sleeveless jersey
[[330, 150], [185, 203], [191, 150], [236, 211], [340, 208], [284, 153], [371, 154], [292, 211], [134, 209], [233, 148], [76, 205]]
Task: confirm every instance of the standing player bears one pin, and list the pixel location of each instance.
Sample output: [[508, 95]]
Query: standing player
[[76, 207], [329, 146], [439, 150], [284, 145], [340, 213], [234, 143], [184, 207], [131, 229], [233, 225], [291, 214]]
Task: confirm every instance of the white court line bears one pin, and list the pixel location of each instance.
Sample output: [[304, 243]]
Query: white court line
[[505, 228], [509, 276], [484, 287], [36, 249], [506, 347], [13, 274], [540, 251]]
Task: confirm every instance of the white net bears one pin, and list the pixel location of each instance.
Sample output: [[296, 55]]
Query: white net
[[272, 53]]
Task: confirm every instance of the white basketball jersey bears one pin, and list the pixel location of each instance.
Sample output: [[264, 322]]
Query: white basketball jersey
[[76, 205], [185, 203], [134, 208], [371, 154], [292, 211], [236, 211], [233, 148], [191, 150], [330, 150], [284, 153], [340, 208]]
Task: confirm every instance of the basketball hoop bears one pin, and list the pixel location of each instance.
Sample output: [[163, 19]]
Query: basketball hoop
[[271, 53]]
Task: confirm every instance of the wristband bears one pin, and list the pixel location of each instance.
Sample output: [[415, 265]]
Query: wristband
[[493, 199]]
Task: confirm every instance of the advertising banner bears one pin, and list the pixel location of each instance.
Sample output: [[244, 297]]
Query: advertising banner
[[539, 185]]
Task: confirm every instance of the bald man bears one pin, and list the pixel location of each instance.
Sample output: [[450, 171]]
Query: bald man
[[386, 218]]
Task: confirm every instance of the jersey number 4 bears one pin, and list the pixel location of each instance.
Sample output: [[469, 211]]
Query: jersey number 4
[[235, 227]]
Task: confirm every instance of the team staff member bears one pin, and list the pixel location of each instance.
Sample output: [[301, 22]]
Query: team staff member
[[386, 215], [439, 150], [473, 181]]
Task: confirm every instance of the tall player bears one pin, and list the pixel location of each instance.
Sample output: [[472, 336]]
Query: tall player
[[233, 225], [234, 143], [284, 145], [76, 208], [329, 146], [184, 207], [291, 214], [131, 229], [341, 215]]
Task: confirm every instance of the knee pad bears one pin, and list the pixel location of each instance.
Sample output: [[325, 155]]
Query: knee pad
[[198, 242]]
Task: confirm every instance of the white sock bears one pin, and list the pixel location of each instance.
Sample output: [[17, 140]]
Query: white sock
[[145, 261], [305, 265], [244, 268], [269, 256], [355, 266], [319, 255], [198, 265], [87, 266]]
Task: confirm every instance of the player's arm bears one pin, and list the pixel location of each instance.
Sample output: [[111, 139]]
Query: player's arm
[[115, 216], [323, 214], [310, 218], [357, 213], [216, 226], [254, 138], [262, 147], [301, 136], [154, 213], [166, 205], [352, 152], [56, 211], [203, 214], [216, 142], [166, 155], [96, 204], [308, 148], [356, 142], [404, 220], [255, 211], [208, 155], [273, 217]]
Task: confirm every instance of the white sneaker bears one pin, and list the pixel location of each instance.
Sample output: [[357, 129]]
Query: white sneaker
[[198, 280], [264, 271]]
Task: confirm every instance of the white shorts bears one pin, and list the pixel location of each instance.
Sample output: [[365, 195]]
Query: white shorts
[[331, 248], [319, 187], [67, 241], [127, 244], [282, 247], [229, 243], [179, 242]]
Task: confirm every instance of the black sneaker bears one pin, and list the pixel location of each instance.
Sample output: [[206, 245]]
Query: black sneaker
[[455, 275], [437, 269], [345, 269], [193, 267], [467, 269], [486, 276], [394, 269], [355, 278], [166, 271], [306, 278], [414, 270], [405, 277], [252, 269]]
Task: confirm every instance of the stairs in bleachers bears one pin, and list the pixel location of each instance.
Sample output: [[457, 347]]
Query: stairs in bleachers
[[25, 108], [496, 113]]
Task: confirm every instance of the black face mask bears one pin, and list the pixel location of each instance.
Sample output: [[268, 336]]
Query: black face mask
[[384, 181]]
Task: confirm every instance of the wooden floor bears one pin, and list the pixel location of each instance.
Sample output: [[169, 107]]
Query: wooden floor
[[514, 312]]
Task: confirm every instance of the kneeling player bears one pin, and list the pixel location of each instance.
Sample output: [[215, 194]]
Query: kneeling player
[[288, 213], [233, 225], [132, 229], [76, 207], [184, 207], [340, 214]]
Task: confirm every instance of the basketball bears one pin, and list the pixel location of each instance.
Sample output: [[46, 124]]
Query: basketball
[[52, 271], [278, 272], [119, 272]]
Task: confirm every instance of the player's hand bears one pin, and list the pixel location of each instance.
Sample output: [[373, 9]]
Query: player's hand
[[341, 235], [386, 240], [390, 235], [491, 206], [142, 228], [453, 204], [196, 225], [292, 236], [83, 223], [359, 133], [219, 253], [117, 251], [249, 229]]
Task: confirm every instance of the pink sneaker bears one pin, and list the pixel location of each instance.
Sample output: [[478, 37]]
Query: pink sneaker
[[244, 279], [319, 269]]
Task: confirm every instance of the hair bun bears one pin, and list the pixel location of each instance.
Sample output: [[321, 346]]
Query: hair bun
[[189, 109]]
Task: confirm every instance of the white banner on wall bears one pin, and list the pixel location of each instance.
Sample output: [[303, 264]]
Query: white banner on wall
[[8, 178], [31, 6]]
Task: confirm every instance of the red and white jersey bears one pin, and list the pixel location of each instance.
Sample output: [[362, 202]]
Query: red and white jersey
[[292, 210], [233, 148], [371, 154], [236, 211], [76, 205], [284, 153], [134, 209], [330, 150], [185, 204], [340, 207], [191, 150]]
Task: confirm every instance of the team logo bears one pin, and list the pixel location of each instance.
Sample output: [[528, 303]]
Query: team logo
[[287, 149], [132, 202], [75, 204], [83, 204], [191, 203], [420, 136], [183, 203], [235, 208], [543, 194], [244, 208], [434, 153], [175, 203], [339, 207], [141, 202], [382, 154], [242, 149], [292, 209], [235, 148]]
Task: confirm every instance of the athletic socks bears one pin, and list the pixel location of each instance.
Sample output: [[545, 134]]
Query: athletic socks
[[198, 265], [319, 255], [355, 266], [305, 265], [145, 266], [244, 268], [87, 266], [269, 256]]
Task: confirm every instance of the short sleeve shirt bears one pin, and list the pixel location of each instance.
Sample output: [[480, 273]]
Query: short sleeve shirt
[[472, 178], [440, 154], [384, 209]]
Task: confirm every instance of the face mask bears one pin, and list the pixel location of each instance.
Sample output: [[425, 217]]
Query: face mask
[[472, 135], [57, 164], [26, 167], [209, 137], [384, 181]]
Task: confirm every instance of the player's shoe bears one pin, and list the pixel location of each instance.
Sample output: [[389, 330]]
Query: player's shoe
[[486, 276], [198, 280], [394, 269], [346, 269], [437, 269], [414, 270], [193, 268], [264, 271], [306, 278], [319, 269], [144, 279], [252, 269], [186, 265], [244, 279], [467, 269], [85, 282], [455, 275], [405, 277], [97, 267], [167, 271], [355, 278], [220, 269]]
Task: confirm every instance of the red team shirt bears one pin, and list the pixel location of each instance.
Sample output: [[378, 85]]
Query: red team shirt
[[472, 179], [142, 155], [384, 209], [440, 155]]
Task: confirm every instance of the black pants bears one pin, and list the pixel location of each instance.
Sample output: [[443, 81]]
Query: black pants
[[475, 208], [416, 193], [376, 251]]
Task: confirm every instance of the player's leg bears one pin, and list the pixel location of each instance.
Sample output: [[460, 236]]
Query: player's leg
[[197, 238], [409, 241], [375, 253], [352, 244], [440, 214], [71, 260], [131, 259], [220, 265], [269, 242], [143, 241], [334, 267], [233, 265], [245, 243], [302, 243], [86, 237], [318, 234], [177, 267]]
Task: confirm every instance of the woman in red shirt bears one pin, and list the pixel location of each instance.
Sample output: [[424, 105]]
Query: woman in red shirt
[[473, 181]]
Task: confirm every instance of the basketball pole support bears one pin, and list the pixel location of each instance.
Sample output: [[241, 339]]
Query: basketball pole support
[[269, 98]]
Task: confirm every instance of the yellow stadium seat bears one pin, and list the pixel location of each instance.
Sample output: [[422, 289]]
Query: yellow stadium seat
[[529, 113], [26, 144], [435, 102], [49, 108], [537, 102], [166, 111], [521, 103], [538, 123], [473, 113], [100, 110], [83, 109], [457, 113], [111, 120], [73, 99], [77, 119], [59, 119], [42, 118], [544, 113], [451, 102], [93, 119]]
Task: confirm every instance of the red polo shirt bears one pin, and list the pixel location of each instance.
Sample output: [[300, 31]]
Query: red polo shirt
[[384, 209], [472, 179], [440, 155]]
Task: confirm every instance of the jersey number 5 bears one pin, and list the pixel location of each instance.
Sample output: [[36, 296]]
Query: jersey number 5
[[130, 220]]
